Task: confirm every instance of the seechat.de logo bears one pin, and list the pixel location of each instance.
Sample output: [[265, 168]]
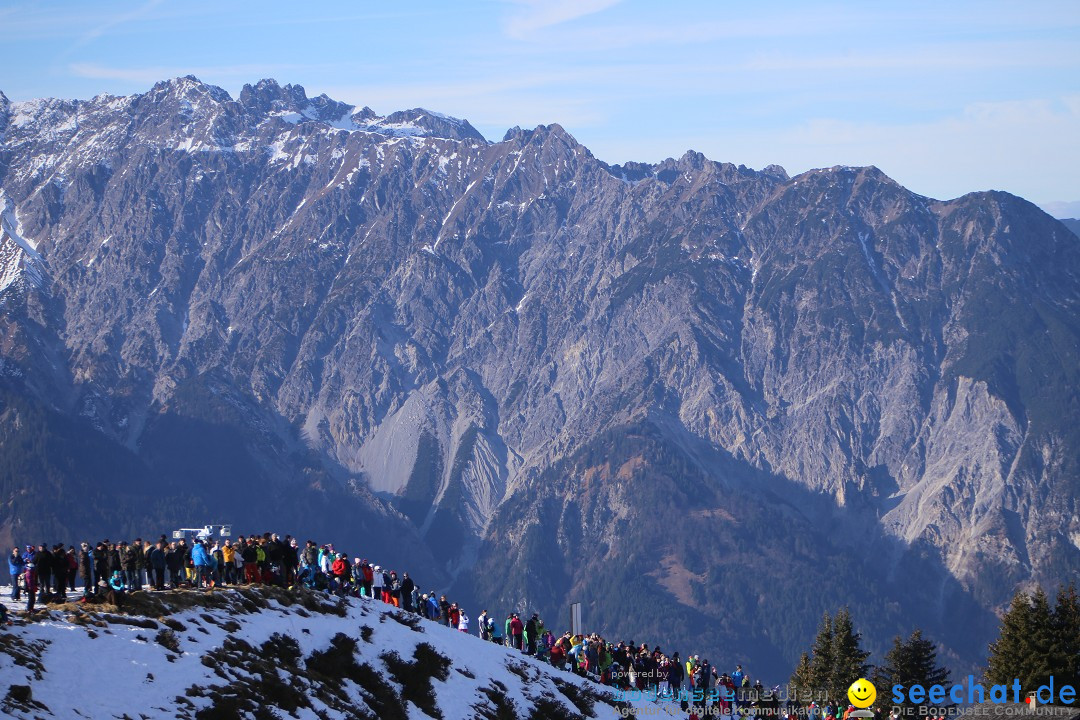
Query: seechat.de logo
[[862, 693]]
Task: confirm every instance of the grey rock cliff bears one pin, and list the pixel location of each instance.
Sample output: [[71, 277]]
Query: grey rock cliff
[[554, 377]]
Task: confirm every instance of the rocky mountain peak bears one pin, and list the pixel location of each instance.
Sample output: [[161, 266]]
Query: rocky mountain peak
[[267, 97], [539, 135], [188, 88], [776, 171], [630, 171], [693, 160], [434, 124]]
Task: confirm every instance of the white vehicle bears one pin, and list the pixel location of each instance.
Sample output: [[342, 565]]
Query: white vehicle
[[204, 533]]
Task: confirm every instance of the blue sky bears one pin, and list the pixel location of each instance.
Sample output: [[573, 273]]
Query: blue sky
[[947, 98]]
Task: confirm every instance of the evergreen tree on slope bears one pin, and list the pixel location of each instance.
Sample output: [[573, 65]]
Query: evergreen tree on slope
[[911, 662]]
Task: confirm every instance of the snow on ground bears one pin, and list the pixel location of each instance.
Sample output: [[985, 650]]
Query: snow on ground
[[83, 661]]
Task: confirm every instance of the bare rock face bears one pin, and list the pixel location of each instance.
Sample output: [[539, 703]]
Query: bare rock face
[[708, 401]]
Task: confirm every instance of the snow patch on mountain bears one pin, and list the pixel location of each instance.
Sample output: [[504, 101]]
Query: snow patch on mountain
[[19, 257], [176, 654]]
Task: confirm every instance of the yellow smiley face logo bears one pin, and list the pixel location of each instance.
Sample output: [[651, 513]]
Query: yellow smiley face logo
[[862, 693]]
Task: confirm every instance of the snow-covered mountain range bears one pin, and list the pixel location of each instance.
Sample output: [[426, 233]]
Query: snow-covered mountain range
[[707, 401]]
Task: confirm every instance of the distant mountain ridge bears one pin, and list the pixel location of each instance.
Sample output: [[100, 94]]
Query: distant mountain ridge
[[685, 393]]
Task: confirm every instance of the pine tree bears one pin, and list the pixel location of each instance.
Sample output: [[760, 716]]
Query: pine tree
[[912, 661], [1066, 643], [848, 659], [1028, 647], [802, 680], [1008, 653], [1041, 660], [879, 677], [821, 660]]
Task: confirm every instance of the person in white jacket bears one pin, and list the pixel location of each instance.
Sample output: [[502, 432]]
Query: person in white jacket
[[377, 583], [463, 622]]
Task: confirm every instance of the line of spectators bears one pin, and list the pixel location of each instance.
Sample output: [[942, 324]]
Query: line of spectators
[[109, 570]]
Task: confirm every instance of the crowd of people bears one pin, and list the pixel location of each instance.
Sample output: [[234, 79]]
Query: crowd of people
[[109, 571]]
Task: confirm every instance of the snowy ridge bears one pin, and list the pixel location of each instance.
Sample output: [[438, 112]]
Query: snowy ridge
[[240, 651], [19, 257], [406, 124], [352, 121], [187, 115]]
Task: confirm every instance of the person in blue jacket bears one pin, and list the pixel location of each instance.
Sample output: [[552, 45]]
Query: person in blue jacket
[[16, 565], [115, 595], [736, 680], [201, 560]]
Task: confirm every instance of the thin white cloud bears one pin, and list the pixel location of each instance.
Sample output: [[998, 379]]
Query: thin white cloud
[[121, 19], [117, 20], [953, 56], [830, 29], [536, 15]]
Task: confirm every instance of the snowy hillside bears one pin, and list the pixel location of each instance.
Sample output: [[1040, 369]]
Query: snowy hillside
[[237, 653]]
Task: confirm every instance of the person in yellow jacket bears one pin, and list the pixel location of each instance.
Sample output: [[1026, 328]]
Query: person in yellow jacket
[[228, 558], [577, 651]]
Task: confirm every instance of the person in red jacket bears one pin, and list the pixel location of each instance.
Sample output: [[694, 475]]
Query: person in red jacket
[[558, 656], [517, 629], [340, 569], [369, 578]]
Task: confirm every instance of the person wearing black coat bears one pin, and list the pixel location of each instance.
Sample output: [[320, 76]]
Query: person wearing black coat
[[186, 565], [251, 568], [140, 550], [407, 587], [86, 569], [156, 562], [129, 563], [174, 562], [44, 571], [444, 609], [101, 565], [60, 570], [394, 585], [114, 562], [530, 632], [676, 672], [275, 552], [705, 681], [291, 560], [73, 567]]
